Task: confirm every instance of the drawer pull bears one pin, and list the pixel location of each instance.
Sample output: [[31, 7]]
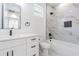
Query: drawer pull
[[34, 55], [33, 46], [12, 53], [7, 53], [33, 39]]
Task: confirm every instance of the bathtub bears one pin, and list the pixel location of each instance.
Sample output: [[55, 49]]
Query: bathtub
[[62, 48]]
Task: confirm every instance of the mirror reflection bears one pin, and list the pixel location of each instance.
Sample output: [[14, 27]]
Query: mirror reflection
[[10, 16]]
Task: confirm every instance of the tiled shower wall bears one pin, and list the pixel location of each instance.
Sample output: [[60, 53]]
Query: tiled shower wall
[[55, 25], [50, 21]]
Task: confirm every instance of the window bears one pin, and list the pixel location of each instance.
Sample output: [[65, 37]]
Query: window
[[38, 10], [13, 18]]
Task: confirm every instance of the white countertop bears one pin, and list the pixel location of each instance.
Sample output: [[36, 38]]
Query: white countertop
[[17, 37]]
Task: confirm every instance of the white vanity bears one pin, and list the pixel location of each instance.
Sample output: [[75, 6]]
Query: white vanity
[[23, 45]]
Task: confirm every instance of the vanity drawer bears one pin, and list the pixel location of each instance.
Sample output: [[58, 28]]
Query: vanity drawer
[[35, 54], [34, 49], [33, 46], [33, 39], [11, 43]]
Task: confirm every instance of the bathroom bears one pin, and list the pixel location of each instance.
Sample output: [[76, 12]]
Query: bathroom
[[39, 29]]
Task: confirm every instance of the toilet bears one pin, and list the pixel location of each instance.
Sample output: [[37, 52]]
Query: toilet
[[44, 46]]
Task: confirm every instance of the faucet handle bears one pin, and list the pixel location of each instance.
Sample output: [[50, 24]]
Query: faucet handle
[[10, 33]]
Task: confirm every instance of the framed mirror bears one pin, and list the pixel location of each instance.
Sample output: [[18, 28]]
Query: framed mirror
[[11, 16]]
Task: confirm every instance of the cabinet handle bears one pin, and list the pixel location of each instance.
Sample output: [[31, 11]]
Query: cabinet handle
[[7, 54], [34, 55], [33, 39], [12, 53], [33, 46]]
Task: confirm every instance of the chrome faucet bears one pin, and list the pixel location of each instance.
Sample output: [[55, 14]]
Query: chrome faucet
[[10, 33]]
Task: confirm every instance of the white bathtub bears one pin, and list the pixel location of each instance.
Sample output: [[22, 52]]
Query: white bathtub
[[62, 48]]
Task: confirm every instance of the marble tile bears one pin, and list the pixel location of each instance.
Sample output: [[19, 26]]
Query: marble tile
[[55, 24]]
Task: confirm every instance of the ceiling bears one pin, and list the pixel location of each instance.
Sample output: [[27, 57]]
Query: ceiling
[[53, 4]]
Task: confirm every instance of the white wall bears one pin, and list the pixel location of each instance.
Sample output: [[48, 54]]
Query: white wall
[[37, 24]]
